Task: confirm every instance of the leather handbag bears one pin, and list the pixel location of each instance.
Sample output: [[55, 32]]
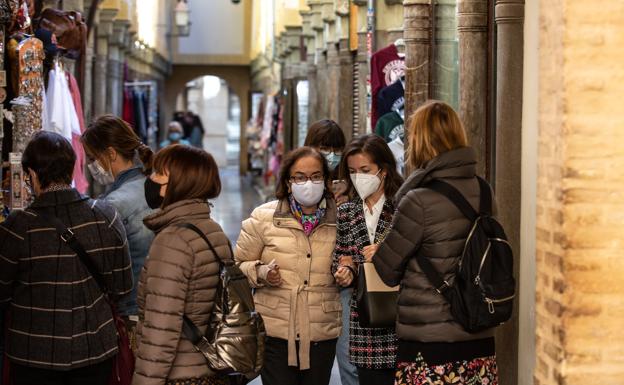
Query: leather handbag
[[123, 363], [376, 301], [68, 27]]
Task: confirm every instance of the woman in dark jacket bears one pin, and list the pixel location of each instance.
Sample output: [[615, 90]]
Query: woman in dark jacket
[[61, 328], [433, 348], [362, 224]]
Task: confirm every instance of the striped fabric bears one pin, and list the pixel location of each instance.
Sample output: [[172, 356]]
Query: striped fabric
[[60, 319], [370, 348]]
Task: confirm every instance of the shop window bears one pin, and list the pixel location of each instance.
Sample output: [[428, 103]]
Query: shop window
[[302, 111], [445, 42]]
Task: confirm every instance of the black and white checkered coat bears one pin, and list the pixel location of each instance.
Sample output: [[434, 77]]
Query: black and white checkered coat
[[371, 348]]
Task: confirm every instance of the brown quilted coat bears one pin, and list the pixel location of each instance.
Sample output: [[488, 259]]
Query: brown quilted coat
[[428, 224], [180, 276]]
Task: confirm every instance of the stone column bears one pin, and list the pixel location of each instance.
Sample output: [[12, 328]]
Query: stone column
[[345, 82], [473, 74], [507, 173], [115, 67], [101, 80], [417, 32]]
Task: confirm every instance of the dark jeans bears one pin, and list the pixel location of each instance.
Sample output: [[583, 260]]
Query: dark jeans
[[97, 374], [376, 376], [277, 372]]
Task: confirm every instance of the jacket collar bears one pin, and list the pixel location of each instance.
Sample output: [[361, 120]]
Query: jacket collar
[[57, 198], [284, 217], [123, 177], [458, 163], [179, 212]]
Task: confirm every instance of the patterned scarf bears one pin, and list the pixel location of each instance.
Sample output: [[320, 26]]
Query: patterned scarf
[[308, 221]]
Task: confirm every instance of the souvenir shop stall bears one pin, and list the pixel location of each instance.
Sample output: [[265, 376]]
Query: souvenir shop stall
[[388, 98], [140, 108], [265, 138], [38, 90]]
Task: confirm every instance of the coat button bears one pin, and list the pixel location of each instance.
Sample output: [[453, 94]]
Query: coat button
[[305, 282], [308, 255]]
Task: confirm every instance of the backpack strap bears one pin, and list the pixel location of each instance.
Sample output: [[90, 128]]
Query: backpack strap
[[455, 197], [439, 283], [485, 205], [196, 229]]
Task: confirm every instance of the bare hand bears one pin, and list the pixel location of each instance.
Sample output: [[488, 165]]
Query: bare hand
[[369, 251], [346, 261], [343, 276], [341, 199], [274, 278]]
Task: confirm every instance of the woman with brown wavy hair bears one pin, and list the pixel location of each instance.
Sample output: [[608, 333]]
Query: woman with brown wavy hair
[[119, 161]]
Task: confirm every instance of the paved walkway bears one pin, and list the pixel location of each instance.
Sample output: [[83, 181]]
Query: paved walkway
[[237, 200]]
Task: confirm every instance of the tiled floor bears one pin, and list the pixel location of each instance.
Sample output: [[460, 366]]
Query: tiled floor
[[237, 200]]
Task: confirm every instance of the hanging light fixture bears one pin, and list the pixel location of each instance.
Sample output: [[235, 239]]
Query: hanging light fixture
[[182, 18]]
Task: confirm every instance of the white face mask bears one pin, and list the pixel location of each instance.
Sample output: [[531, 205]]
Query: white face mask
[[100, 175], [308, 194], [365, 184]]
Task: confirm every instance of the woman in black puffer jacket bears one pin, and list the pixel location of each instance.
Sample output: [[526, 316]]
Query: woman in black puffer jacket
[[433, 348]]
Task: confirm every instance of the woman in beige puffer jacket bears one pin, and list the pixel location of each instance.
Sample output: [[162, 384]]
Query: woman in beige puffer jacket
[[181, 274], [299, 300]]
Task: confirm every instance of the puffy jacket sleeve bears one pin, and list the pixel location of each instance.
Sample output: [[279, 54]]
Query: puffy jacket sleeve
[[402, 241], [249, 248], [165, 291]]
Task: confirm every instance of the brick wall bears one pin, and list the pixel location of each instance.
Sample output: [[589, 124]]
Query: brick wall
[[580, 214]]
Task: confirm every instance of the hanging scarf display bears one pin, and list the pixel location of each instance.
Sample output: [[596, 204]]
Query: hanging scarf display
[[308, 221]]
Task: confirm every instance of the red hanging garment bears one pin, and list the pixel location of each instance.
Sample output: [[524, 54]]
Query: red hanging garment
[[80, 179]]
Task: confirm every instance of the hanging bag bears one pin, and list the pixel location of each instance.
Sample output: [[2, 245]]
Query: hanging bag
[[234, 340], [482, 290], [123, 363], [376, 301]]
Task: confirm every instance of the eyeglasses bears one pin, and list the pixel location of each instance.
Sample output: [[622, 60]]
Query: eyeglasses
[[328, 150], [302, 179]]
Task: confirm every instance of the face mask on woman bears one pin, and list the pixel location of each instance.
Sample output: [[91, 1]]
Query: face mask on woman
[[365, 184], [175, 136], [152, 194], [308, 194], [333, 159], [99, 174]]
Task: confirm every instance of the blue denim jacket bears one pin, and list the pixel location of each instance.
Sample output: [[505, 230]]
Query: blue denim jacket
[[127, 195]]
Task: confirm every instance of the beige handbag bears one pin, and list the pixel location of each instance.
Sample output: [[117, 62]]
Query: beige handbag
[[375, 300]]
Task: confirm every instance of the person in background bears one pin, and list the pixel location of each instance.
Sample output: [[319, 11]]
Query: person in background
[[434, 349], [327, 137], [120, 161], [181, 274], [362, 224], [175, 135], [61, 328], [196, 138], [285, 250]]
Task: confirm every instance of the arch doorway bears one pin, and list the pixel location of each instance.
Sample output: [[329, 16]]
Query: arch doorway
[[218, 108]]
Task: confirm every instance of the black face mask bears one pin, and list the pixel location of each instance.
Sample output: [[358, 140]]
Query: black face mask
[[152, 194]]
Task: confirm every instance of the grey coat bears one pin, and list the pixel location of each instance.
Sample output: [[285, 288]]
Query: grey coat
[[427, 223]]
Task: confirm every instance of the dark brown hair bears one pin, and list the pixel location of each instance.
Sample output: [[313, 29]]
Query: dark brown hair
[[378, 151], [325, 133], [193, 173], [51, 157], [111, 131], [281, 190]]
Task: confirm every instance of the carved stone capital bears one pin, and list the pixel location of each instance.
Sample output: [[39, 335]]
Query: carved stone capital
[[509, 12], [105, 24], [472, 16]]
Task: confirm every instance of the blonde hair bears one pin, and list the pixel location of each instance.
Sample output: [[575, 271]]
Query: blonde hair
[[433, 129]]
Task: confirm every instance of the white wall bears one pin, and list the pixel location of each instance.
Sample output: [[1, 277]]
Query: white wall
[[530, 105], [217, 28]]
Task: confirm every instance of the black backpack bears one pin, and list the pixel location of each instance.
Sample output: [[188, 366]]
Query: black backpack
[[482, 292]]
